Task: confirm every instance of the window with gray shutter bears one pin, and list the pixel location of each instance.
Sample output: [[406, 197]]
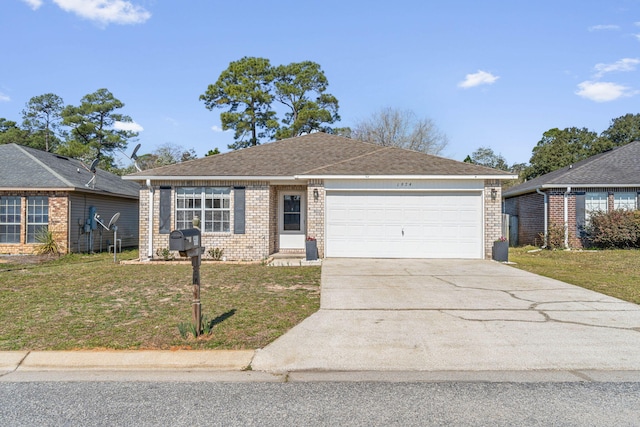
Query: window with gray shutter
[[238, 210]]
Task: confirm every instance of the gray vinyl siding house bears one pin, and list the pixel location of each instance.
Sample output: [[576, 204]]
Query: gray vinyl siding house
[[40, 189]]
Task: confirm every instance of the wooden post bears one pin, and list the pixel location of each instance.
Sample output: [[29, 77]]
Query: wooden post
[[197, 312]]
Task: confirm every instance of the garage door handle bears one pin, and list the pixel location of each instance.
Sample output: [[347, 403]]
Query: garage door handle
[[402, 232]]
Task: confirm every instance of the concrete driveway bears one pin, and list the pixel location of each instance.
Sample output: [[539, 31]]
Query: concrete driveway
[[455, 315]]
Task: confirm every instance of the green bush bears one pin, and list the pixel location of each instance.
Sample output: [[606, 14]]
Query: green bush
[[47, 243], [615, 229], [216, 253]]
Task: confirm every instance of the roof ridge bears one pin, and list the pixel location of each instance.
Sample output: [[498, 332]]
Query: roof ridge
[[46, 167], [346, 160]]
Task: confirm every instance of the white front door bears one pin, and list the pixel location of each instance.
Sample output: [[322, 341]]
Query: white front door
[[291, 219]]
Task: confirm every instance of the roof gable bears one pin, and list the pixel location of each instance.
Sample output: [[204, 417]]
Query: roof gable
[[27, 168], [617, 167], [318, 154]]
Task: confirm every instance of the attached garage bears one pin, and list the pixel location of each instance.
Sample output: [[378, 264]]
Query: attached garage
[[405, 223]]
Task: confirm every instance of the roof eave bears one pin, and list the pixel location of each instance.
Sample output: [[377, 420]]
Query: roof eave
[[207, 178], [68, 189], [549, 186], [416, 177]]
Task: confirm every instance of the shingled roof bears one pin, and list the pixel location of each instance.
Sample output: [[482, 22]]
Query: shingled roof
[[619, 167], [25, 168], [319, 154]]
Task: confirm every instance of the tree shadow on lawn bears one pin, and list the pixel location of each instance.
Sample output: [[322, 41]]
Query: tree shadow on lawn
[[221, 318]]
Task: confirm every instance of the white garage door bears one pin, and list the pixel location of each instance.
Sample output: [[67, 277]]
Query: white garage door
[[404, 225]]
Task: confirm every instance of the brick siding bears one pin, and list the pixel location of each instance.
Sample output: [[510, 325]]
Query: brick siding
[[58, 221], [529, 208], [492, 215]]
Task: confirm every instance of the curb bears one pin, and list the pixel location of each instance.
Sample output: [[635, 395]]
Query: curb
[[137, 360]]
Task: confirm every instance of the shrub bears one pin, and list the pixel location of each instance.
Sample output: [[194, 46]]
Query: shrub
[[47, 244], [616, 229], [555, 236], [164, 253], [215, 253]]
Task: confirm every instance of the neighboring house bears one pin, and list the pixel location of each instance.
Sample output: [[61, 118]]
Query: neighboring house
[[44, 190], [565, 198], [356, 199]]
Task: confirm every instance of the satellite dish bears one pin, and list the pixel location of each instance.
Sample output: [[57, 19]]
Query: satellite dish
[[134, 156], [94, 165], [113, 220]]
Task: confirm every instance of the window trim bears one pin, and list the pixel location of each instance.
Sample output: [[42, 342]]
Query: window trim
[[17, 213], [631, 197], [30, 236], [604, 196], [202, 195]]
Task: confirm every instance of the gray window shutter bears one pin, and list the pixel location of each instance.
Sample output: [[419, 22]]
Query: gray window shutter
[[165, 210], [238, 210], [580, 214]]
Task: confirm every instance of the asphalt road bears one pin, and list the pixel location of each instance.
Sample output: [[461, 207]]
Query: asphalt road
[[117, 403]]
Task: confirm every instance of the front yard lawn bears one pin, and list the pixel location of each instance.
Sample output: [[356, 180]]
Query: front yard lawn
[[611, 272], [88, 302]]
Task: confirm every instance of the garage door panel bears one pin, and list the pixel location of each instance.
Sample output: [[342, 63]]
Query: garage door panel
[[435, 225]]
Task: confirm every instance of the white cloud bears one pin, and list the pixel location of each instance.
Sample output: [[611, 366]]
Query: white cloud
[[602, 27], [33, 4], [219, 129], [603, 91], [130, 126], [105, 11], [477, 79], [4, 98], [625, 64]]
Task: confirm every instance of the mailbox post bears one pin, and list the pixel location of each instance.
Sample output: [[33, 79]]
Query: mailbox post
[[187, 243]]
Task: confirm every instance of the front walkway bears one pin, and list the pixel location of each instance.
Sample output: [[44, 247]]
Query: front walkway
[[455, 315]]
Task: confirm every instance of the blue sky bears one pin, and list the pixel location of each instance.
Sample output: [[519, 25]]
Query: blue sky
[[488, 73]]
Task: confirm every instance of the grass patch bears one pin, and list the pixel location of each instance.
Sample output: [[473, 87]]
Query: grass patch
[[87, 302], [611, 272]]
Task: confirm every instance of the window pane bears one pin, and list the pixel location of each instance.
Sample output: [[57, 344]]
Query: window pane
[[10, 219], [292, 204], [292, 222], [208, 203], [626, 200]]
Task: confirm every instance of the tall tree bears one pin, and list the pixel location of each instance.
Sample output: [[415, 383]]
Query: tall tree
[[560, 148], [42, 115], [623, 130], [94, 130], [485, 156], [301, 87], [244, 89], [10, 132], [390, 127]]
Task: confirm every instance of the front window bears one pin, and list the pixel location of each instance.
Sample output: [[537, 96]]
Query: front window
[[10, 219], [210, 204], [595, 202], [37, 216], [627, 201]]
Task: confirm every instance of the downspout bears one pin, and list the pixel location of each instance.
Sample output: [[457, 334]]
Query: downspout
[[566, 218], [546, 215], [150, 222]]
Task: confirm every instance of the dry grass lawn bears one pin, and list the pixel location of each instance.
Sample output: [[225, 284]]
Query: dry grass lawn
[[88, 302]]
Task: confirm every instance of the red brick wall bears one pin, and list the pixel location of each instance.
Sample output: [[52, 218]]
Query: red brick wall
[[529, 208]]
